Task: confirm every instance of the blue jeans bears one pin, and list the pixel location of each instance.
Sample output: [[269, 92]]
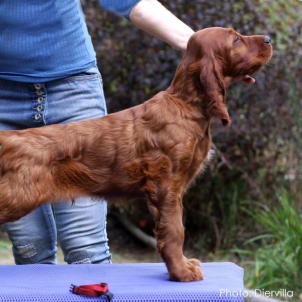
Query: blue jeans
[[79, 227]]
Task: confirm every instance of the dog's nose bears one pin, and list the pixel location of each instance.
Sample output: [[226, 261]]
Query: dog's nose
[[267, 39]]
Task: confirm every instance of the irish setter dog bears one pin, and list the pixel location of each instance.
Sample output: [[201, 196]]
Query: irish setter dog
[[152, 151]]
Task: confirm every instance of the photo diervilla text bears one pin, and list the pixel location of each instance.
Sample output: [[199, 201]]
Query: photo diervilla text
[[281, 293]]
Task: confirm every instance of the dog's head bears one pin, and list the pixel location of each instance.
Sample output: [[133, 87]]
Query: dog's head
[[215, 58]]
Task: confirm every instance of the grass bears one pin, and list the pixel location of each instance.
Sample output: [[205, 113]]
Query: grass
[[277, 262]]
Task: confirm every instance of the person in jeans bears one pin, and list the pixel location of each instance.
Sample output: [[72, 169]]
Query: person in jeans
[[48, 75]]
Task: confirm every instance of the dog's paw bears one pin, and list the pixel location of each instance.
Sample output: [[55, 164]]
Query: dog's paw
[[188, 270]]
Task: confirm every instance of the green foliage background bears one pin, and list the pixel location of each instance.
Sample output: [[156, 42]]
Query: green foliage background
[[261, 152]]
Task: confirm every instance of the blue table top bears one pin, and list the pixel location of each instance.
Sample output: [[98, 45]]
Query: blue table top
[[146, 282]]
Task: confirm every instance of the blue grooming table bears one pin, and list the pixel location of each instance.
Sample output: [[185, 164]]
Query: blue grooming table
[[128, 282]]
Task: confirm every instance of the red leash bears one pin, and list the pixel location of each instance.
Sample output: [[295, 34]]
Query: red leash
[[92, 290]]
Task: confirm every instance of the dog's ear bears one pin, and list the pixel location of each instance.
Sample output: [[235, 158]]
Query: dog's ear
[[199, 78], [202, 78], [214, 89]]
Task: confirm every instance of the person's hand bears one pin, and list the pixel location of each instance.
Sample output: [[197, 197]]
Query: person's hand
[[152, 17]]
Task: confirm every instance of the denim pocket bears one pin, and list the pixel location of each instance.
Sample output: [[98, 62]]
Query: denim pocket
[[76, 98]]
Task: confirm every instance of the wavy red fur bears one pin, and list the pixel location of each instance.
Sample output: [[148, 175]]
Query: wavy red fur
[[152, 151]]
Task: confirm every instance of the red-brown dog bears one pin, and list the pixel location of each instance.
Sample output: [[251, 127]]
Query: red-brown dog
[[152, 151]]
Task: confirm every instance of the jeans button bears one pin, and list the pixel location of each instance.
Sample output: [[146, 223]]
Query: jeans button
[[39, 92], [40, 99], [37, 116], [37, 86], [39, 108]]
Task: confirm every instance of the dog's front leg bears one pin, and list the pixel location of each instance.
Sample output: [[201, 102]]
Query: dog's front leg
[[165, 204]]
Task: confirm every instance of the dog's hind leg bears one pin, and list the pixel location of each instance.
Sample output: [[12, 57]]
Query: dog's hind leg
[[12, 201], [21, 193], [17, 200]]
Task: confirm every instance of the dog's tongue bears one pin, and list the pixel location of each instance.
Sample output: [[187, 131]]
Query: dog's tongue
[[248, 80]]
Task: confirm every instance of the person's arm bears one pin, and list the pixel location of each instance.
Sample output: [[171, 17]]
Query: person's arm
[[152, 17]]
